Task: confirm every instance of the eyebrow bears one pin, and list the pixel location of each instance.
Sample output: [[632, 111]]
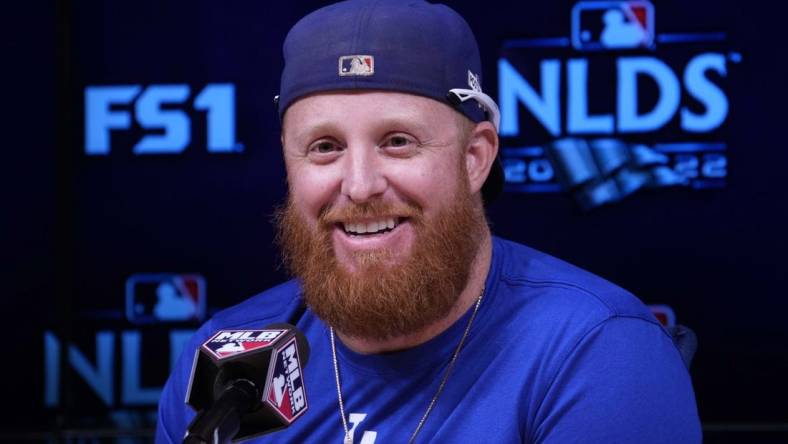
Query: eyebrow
[[411, 123], [403, 123], [312, 131]]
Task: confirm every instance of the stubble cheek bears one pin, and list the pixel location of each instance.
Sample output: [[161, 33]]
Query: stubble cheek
[[309, 193]]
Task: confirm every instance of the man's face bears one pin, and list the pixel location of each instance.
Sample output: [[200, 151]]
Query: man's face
[[381, 223]]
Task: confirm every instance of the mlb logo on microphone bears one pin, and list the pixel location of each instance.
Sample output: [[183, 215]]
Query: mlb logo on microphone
[[286, 392], [229, 343], [165, 297], [612, 25]]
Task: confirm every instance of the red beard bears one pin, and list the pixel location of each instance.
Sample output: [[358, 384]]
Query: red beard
[[382, 299]]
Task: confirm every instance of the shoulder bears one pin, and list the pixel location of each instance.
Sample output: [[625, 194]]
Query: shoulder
[[574, 329], [537, 278], [552, 307]]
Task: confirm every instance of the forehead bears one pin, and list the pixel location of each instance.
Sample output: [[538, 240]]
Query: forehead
[[368, 108]]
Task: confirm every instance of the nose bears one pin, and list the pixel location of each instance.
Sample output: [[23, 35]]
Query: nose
[[363, 178]]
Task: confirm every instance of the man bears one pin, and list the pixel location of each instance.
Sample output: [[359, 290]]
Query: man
[[423, 326]]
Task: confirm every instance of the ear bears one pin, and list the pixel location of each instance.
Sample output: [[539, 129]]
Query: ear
[[480, 153]]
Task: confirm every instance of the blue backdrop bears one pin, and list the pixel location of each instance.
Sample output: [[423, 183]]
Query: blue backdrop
[[145, 163]]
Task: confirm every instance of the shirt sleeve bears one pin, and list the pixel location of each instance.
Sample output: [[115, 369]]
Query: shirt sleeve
[[623, 382]]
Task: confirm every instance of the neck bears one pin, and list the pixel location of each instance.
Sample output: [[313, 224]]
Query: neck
[[471, 292]]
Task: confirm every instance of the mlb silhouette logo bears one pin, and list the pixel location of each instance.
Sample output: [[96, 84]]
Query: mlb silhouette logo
[[165, 297], [356, 65], [230, 343], [284, 385], [611, 25]]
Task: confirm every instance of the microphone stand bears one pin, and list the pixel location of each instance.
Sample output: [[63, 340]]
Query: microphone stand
[[220, 422]]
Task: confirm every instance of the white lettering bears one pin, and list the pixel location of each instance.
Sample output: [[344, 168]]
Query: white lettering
[[267, 335], [355, 420], [279, 389], [290, 360], [227, 336], [298, 399]]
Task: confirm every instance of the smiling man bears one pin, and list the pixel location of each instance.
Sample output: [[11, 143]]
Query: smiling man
[[385, 223], [423, 326]]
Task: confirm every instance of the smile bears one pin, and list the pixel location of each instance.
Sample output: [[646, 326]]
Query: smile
[[379, 226], [395, 234]]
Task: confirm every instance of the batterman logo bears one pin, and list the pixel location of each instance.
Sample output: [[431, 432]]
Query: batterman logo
[[612, 24], [614, 108], [286, 392], [229, 343], [356, 65], [159, 119], [165, 297]]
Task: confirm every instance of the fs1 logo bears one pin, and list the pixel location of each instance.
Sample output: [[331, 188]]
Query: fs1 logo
[[165, 297], [615, 107], [159, 111]]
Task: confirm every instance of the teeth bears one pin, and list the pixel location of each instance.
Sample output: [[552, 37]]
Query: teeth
[[371, 227]]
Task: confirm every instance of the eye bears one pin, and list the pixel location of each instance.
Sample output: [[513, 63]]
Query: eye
[[398, 141], [324, 151], [400, 144], [324, 147]]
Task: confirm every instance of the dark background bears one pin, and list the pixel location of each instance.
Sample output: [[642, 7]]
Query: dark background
[[75, 227]]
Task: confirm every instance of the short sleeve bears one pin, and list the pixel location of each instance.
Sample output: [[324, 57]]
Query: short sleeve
[[623, 382]]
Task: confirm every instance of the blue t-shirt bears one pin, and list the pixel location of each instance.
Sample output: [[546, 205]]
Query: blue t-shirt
[[555, 355]]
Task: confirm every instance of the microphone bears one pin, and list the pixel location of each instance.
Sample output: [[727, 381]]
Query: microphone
[[246, 383]]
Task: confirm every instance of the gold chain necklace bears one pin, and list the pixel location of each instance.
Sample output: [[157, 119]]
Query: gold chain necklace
[[348, 439]]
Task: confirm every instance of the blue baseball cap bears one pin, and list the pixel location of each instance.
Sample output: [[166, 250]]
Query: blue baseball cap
[[392, 45]]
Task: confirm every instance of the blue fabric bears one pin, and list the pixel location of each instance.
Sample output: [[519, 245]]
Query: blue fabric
[[556, 355], [418, 47]]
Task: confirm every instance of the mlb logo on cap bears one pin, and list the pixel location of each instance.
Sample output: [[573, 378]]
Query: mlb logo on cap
[[356, 65]]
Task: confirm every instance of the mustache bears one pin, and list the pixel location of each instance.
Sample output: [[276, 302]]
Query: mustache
[[374, 209]]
